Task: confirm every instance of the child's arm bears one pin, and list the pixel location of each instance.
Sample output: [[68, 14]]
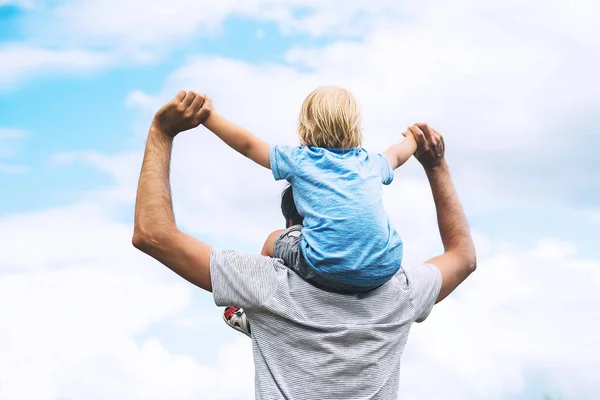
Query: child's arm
[[267, 249], [399, 153], [239, 139]]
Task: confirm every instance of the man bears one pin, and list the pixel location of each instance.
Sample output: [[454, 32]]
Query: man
[[308, 343]]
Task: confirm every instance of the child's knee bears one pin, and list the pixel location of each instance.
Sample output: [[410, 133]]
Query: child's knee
[[268, 248]]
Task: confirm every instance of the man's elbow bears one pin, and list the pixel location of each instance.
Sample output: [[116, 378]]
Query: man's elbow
[[466, 259], [467, 254], [139, 241], [470, 260], [142, 240], [472, 265], [148, 240]]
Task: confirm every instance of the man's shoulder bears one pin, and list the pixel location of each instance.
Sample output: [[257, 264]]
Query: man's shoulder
[[424, 281], [242, 279], [233, 261], [419, 271]]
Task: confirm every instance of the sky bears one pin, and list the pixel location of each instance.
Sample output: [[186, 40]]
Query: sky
[[512, 85]]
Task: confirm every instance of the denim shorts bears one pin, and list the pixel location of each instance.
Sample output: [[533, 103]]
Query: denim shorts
[[287, 248]]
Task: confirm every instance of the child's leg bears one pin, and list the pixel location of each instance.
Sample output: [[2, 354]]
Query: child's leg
[[267, 249], [236, 317], [286, 247]]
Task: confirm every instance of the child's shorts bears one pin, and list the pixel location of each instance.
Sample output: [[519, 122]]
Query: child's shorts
[[287, 248]]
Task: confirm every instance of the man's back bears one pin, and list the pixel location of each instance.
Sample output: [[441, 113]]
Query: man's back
[[309, 343]]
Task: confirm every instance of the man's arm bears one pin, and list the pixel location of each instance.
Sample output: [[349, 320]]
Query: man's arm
[[238, 138], [155, 232], [399, 153], [459, 258]]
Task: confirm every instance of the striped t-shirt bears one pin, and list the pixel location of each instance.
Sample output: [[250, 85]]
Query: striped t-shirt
[[313, 344]]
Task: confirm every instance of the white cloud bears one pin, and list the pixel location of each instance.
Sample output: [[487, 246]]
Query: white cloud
[[92, 21], [491, 102], [138, 98], [144, 31], [411, 72], [505, 324], [19, 60], [89, 232], [500, 81], [75, 295], [73, 328], [524, 313], [72, 331]]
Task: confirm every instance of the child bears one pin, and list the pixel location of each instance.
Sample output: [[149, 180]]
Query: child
[[347, 243]]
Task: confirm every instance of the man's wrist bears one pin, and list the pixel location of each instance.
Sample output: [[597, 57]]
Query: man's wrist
[[442, 167], [157, 131]]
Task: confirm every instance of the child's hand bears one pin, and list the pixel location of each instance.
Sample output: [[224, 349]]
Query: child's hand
[[208, 106], [399, 153], [410, 140]]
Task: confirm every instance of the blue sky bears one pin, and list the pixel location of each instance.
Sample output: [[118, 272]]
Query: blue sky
[[80, 81], [74, 107]]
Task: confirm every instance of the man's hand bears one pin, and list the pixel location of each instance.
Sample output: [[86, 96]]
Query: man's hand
[[430, 145], [185, 111]]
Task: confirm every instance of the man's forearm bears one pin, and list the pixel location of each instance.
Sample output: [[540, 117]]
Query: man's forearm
[[154, 216], [453, 225], [459, 259]]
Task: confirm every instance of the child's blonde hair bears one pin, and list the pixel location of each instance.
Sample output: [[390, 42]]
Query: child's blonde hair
[[330, 118]]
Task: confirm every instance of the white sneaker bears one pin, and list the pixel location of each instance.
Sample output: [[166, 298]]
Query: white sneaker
[[236, 318]]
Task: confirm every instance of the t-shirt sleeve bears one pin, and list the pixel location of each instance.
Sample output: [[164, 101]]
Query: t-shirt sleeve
[[283, 161], [425, 282], [387, 174], [243, 280]]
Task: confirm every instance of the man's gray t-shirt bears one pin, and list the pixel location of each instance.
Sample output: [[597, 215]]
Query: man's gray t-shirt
[[313, 344]]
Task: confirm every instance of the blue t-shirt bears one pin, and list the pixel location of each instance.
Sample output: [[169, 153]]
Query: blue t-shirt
[[347, 236]]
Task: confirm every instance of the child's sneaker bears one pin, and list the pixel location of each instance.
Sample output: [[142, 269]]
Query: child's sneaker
[[236, 318]]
